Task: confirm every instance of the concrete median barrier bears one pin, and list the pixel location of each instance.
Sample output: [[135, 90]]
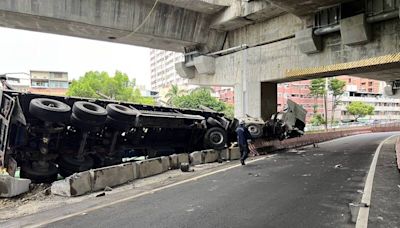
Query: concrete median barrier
[[150, 167], [165, 163], [234, 153], [224, 154], [183, 158], [113, 175], [74, 185], [397, 148], [196, 158], [11, 186], [173, 161], [210, 156]]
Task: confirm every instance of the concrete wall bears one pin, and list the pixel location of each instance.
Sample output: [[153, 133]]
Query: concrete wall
[[282, 60]]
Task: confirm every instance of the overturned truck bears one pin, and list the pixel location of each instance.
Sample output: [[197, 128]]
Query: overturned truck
[[50, 135]]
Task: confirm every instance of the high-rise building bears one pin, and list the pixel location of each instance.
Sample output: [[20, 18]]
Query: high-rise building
[[162, 69]]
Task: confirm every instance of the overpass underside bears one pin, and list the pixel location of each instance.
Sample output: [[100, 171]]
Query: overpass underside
[[250, 45]]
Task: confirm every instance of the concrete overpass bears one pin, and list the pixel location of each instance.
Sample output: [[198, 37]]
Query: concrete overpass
[[248, 44]]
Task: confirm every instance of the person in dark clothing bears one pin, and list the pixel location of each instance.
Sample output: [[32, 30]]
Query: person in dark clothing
[[243, 135]]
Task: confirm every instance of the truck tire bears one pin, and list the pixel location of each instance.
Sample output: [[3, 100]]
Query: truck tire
[[86, 115], [68, 164], [49, 110], [87, 111], [121, 113], [255, 130], [215, 138], [39, 175]]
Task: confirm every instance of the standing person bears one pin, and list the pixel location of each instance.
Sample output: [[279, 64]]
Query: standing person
[[243, 135]]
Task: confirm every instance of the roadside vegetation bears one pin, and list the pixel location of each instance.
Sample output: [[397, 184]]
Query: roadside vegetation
[[197, 98], [320, 88], [118, 87]]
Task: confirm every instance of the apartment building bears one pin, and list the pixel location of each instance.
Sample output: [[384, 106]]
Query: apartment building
[[49, 82], [162, 69]]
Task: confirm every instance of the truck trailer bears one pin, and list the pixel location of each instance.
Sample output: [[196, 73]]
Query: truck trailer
[[50, 135]]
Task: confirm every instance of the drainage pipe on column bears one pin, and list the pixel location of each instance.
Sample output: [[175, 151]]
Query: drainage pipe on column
[[371, 19]]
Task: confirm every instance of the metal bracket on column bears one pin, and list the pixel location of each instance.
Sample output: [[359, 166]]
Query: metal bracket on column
[[308, 42]]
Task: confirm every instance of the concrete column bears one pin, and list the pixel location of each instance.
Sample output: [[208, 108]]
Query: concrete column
[[257, 99], [269, 99]]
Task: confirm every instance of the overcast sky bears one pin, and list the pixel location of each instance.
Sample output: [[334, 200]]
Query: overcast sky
[[21, 51]]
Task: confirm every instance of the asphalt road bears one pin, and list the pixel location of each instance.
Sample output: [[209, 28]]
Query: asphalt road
[[289, 189]]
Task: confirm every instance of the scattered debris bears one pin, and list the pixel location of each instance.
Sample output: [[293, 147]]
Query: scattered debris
[[185, 167], [360, 191], [338, 166], [354, 208], [108, 189], [101, 194], [306, 175]]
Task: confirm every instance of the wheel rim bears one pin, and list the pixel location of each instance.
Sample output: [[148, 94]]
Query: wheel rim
[[253, 129], [216, 138]]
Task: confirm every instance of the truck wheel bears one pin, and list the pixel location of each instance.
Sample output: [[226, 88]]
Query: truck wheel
[[215, 138], [39, 175], [49, 110], [120, 112], [69, 165], [90, 112], [255, 130]]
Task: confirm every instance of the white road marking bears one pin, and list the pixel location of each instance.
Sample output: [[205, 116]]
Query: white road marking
[[141, 194], [362, 218]]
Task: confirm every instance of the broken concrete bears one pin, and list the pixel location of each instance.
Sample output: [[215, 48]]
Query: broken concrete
[[150, 167], [196, 158], [210, 156], [234, 153], [11, 186], [74, 185], [113, 175]]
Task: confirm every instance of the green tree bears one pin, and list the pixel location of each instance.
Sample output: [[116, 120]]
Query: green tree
[[317, 120], [172, 94], [337, 88], [202, 97], [96, 84], [360, 109], [318, 89]]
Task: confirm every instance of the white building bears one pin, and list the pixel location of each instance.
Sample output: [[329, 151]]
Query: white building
[[162, 69], [20, 81], [385, 108]]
